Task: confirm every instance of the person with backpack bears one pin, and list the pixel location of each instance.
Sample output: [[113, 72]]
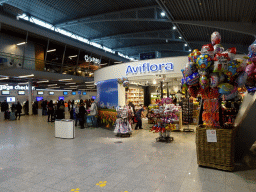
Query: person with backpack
[[94, 112]]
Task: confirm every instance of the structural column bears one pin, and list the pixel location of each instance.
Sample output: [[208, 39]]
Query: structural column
[[161, 88], [30, 97], [168, 93]]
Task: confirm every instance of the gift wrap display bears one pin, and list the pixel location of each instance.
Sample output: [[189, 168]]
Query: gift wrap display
[[216, 75]]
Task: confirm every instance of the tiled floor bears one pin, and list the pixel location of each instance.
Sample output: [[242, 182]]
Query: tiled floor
[[32, 159]]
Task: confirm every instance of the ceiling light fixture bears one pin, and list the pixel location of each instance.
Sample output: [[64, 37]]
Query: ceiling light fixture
[[118, 62], [89, 82], [66, 79], [70, 83], [72, 56], [189, 49], [154, 82], [4, 78], [24, 76], [163, 14], [51, 50], [185, 44], [104, 64], [23, 83], [52, 85], [43, 81], [174, 27], [180, 37], [22, 43]]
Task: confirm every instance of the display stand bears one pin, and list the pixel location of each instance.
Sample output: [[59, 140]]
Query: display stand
[[187, 115], [65, 128], [123, 126], [179, 127]]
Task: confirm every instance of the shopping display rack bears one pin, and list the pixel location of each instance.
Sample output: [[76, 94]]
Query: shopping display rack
[[187, 114], [123, 127]]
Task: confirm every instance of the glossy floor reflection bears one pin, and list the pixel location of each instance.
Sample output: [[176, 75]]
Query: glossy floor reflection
[[32, 159]]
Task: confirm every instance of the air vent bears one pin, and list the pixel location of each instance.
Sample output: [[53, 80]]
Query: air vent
[[12, 10]]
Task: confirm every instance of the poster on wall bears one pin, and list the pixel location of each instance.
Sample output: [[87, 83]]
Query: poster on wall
[[107, 94]]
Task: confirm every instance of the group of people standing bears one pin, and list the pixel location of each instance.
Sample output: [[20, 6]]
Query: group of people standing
[[15, 108], [80, 112]]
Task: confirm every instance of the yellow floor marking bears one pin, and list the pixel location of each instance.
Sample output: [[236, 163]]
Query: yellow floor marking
[[75, 190], [102, 184]]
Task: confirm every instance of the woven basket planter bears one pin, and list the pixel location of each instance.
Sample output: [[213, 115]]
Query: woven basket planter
[[219, 155]]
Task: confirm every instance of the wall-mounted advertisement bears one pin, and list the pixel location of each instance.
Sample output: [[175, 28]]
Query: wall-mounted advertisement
[[10, 99], [107, 94]]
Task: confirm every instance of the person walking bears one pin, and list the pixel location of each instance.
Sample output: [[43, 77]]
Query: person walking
[[94, 112], [138, 118], [50, 111], [26, 107], [76, 113], [4, 108], [18, 110], [82, 113]]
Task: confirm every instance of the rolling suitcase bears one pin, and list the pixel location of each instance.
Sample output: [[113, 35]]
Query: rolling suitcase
[[12, 116]]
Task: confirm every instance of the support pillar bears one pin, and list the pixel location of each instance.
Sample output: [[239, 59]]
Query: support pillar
[[24, 50], [30, 97], [63, 58], [161, 88], [168, 93], [77, 61]]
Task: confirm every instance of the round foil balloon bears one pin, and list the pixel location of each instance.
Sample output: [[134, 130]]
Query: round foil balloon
[[204, 61], [190, 68], [252, 49], [225, 88], [241, 80], [203, 71], [215, 38], [218, 48], [192, 57], [214, 80], [204, 82]]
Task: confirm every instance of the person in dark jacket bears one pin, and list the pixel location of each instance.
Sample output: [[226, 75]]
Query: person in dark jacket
[[4, 107], [138, 118], [81, 115], [26, 108], [18, 109], [50, 111]]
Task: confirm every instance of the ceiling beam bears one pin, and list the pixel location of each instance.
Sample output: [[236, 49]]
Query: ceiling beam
[[43, 32], [239, 27], [149, 38], [115, 16], [118, 36]]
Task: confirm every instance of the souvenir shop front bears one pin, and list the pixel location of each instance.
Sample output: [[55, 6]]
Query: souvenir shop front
[[141, 83]]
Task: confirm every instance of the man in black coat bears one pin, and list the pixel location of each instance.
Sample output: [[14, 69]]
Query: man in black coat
[[4, 107], [18, 110]]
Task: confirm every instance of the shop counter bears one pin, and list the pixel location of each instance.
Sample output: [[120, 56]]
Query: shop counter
[[65, 128]]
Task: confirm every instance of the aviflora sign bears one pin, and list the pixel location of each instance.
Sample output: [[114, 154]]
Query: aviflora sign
[[17, 87], [148, 68]]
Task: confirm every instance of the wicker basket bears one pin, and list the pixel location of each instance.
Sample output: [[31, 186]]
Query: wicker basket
[[218, 155]]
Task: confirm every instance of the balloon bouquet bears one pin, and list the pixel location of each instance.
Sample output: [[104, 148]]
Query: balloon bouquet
[[215, 73]]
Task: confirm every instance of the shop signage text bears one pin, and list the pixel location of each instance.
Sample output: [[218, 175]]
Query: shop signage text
[[17, 87], [147, 68], [87, 58]]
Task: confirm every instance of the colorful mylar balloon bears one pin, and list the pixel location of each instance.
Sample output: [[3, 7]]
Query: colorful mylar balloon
[[225, 88], [204, 61], [218, 48], [221, 62], [192, 57], [208, 49], [204, 82], [241, 80], [231, 53], [193, 79], [232, 69], [215, 38], [250, 69], [214, 80], [190, 68], [252, 49]]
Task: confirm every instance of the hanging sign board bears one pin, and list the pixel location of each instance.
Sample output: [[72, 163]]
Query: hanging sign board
[[211, 136], [17, 87]]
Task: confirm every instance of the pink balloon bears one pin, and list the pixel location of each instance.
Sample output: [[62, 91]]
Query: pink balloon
[[250, 69]]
